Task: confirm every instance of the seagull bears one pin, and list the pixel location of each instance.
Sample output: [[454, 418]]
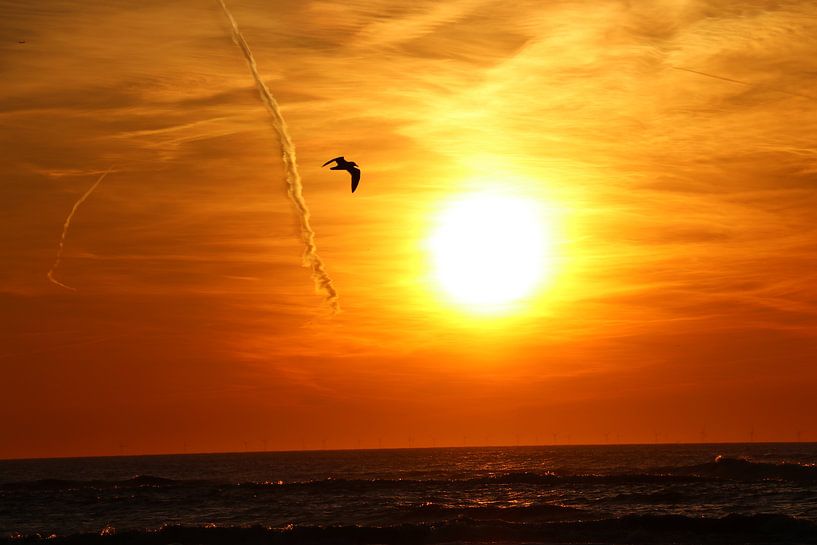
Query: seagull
[[349, 166]]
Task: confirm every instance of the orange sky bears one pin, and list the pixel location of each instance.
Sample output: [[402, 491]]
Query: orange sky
[[682, 304]]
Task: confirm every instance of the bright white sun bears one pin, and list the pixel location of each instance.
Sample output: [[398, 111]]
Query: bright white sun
[[490, 250]]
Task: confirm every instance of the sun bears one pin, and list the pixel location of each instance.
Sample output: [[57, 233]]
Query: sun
[[491, 250]]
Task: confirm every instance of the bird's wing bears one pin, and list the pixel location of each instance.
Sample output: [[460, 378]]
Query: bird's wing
[[355, 178], [332, 160]]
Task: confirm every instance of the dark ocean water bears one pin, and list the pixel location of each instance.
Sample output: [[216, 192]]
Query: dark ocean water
[[753, 493]]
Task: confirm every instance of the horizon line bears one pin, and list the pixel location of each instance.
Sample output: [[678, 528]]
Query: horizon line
[[449, 447]]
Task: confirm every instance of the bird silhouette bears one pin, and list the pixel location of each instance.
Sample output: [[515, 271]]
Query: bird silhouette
[[349, 166]]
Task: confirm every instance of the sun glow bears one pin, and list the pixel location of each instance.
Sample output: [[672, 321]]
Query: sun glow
[[491, 250]]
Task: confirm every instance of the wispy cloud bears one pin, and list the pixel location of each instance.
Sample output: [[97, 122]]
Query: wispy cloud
[[673, 141]]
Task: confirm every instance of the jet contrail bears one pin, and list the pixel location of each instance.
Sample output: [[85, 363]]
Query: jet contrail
[[65, 231], [294, 184], [739, 82]]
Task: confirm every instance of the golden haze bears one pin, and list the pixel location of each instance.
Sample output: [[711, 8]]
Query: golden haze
[[682, 305]]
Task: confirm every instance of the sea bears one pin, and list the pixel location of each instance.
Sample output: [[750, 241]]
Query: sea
[[723, 493]]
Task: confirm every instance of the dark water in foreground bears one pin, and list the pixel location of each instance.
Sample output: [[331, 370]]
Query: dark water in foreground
[[758, 493]]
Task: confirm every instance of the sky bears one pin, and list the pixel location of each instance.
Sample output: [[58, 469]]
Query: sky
[[668, 143]]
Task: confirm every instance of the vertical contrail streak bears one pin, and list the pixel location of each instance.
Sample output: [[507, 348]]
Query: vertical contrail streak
[[65, 227], [294, 184]]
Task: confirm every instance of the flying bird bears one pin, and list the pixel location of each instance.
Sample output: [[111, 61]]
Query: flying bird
[[349, 166]]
